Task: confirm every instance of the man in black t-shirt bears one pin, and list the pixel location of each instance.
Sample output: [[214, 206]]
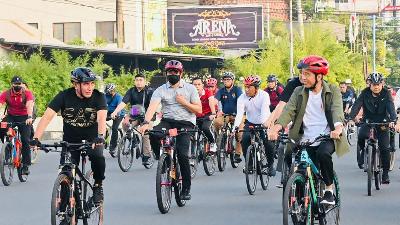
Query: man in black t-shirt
[[84, 112], [140, 94]]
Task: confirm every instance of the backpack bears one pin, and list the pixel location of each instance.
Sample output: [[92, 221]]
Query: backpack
[[8, 100]]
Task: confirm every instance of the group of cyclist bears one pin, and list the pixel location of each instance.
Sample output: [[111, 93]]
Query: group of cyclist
[[311, 106]]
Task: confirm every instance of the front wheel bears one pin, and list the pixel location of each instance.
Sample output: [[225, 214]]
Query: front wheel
[[251, 170], [63, 209], [125, 154], [230, 148], [6, 164], [369, 169], [221, 154], [164, 183], [208, 159], [177, 183]]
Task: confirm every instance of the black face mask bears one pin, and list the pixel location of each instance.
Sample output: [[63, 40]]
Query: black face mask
[[17, 88], [173, 79]]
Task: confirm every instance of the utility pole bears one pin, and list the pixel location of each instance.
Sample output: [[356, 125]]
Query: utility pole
[[143, 27], [268, 21], [300, 18], [291, 37], [120, 24], [373, 43]]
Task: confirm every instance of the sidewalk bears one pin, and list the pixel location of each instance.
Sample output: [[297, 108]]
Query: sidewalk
[[55, 129]]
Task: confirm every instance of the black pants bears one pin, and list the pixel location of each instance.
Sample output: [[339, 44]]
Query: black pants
[[182, 147], [268, 146], [383, 143], [114, 132], [96, 157], [25, 131], [205, 125]]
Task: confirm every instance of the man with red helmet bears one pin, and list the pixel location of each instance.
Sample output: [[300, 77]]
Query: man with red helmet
[[180, 103], [212, 85], [255, 103], [315, 108]]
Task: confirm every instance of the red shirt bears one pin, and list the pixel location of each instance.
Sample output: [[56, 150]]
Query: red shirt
[[16, 107], [205, 103], [274, 95]]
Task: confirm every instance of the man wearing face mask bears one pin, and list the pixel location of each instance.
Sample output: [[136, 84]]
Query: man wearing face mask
[[19, 103], [180, 102]]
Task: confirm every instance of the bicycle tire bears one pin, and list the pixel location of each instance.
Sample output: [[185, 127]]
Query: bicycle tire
[[303, 216], [194, 160], [6, 164], [97, 214], [208, 159], [230, 146], [221, 154], [251, 170], [178, 187], [61, 197], [264, 177], [125, 154], [377, 171], [369, 169], [163, 171], [350, 135]]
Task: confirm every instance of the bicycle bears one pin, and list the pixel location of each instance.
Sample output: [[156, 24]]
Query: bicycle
[[200, 150], [372, 159], [168, 176], [256, 163], [351, 135], [71, 197], [108, 136], [304, 191], [226, 146], [281, 165], [11, 154], [131, 144]]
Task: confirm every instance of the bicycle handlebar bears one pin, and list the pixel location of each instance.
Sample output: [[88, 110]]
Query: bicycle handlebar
[[171, 132], [307, 143], [5, 124], [254, 128], [81, 146]]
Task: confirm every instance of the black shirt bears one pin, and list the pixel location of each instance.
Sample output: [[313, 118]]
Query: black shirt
[[290, 86], [79, 115], [135, 97]]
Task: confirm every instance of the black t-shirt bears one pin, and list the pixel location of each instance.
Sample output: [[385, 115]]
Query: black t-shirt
[[290, 86], [79, 115], [134, 97]]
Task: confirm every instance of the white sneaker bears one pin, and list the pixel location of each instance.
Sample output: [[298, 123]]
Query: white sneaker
[[213, 148]]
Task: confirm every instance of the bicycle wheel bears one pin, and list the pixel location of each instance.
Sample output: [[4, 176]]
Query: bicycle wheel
[[351, 135], [221, 154], [369, 169], [360, 157], [177, 183], [231, 151], [194, 159], [262, 167], [164, 183], [35, 155], [125, 154], [6, 164], [208, 159], [330, 214], [251, 170], [297, 204], [377, 171], [94, 212], [392, 160], [63, 209], [22, 177]]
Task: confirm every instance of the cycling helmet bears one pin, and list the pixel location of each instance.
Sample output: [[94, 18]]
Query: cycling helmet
[[228, 74], [109, 88], [376, 78], [272, 78], [347, 81], [174, 65], [211, 82], [136, 111], [82, 74], [253, 80], [315, 64]]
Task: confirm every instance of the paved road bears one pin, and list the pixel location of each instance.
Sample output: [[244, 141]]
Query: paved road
[[217, 200]]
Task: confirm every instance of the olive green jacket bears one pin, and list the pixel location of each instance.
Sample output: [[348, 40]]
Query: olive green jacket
[[294, 111]]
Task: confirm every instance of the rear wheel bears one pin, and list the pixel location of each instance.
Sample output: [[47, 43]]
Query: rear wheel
[[208, 159], [221, 154], [251, 170], [164, 183], [63, 202], [178, 187], [6, 164], [125, 154], [263, 169], [95, 217], [377, 172]]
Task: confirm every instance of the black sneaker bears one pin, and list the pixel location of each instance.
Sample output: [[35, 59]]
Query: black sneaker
[[237, 158], [145, 160], [271, 171], [185, 194], [25, 170], [385, 177], [328, 198], [98, 195]]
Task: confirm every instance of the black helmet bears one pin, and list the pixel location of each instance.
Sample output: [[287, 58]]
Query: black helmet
[[109, 88], [376, 78], [82, 74], [272, 78]]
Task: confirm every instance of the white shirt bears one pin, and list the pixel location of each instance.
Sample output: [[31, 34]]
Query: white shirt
[[314, 120], [256, 108]]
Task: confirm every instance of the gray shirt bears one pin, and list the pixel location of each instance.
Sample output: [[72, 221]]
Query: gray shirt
[[171, 109]]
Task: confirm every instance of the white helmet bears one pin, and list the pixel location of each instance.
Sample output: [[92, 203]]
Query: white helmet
[[347, 81]]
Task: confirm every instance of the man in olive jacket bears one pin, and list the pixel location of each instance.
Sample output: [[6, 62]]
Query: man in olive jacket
[[316, 108]]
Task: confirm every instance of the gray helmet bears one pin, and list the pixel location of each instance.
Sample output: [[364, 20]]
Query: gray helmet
[[376, 78], [228, 74], [272, 78], [82, 74], [109, 88]]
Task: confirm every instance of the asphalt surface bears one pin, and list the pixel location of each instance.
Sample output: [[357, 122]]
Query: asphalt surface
[[221, 199]]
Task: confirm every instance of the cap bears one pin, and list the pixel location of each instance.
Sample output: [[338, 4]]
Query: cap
[[16, 79]]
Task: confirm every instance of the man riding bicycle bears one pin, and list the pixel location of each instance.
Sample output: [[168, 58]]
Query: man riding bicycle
[[227, 103], [347, 97], [113, 99], [255, 103], [140, 94], [208, 111], [19, 103], [180, 102], [376, 102], [212, 85], [274, 91], [84, 112], [315, 109]]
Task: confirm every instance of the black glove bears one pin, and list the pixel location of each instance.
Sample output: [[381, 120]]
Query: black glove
[[99, 140], [35, 143]]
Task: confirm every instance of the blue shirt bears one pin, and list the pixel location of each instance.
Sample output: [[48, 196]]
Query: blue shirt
[[228, 99], [113, 102], [347, 98]]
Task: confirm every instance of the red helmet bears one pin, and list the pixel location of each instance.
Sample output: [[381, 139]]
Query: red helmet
[[174, 65], [211, 82], [253, 80], [315, 64]]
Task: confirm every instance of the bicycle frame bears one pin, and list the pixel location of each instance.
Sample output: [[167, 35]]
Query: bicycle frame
[[14, 137]]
